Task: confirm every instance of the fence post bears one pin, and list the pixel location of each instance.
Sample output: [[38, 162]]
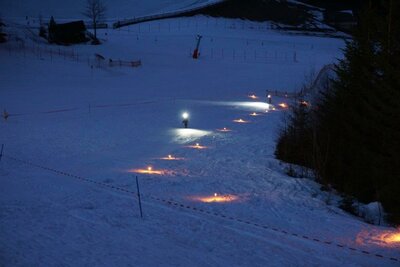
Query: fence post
[[1, 152], [138, 193]]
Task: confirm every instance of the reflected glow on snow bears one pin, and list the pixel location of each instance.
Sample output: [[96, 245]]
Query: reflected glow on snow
[[305, 103], [224, 130], [151, 170], [216, 198], [246, 105], [254, 114], [240, 121], [197, 146], [171, 157], [183, 136], [283, 105], [383, 238], [254, 105], [253, 96]]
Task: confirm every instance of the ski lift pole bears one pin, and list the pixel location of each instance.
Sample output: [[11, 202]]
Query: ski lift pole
[[196, 51], [138, 193]]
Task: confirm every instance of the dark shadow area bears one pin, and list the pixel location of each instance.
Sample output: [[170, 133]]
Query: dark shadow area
[[259, 10]]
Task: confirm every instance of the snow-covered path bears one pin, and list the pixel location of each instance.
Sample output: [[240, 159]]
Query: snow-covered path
[[47, 218]]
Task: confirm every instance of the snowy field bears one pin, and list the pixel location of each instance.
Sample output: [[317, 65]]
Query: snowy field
[[79, 130]]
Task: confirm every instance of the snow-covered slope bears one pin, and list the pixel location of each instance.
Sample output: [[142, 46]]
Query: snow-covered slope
[[78, 129], [72, 9]]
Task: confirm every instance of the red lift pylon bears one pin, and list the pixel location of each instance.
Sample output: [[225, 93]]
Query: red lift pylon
[[196, 50]]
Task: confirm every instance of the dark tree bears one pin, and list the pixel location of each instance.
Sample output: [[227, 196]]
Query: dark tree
[[2, 34], [95, 10], [51, 30]]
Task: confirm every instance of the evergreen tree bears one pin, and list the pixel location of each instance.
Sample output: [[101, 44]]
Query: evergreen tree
[[52, 30], [356, 126]]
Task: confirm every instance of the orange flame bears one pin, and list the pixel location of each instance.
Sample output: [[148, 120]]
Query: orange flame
[[283, 105], [171, 157], [197, 146], [240, 121], [148, 170], [304, 103], [385, 238], [392, 238], [217, 198], [253, 96], [224, 130]]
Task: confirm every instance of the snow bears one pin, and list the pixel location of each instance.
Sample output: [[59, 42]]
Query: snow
[[372, 212], [102, 122]]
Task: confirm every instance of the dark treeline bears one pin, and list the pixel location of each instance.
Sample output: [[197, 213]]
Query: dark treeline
[[351, 135], [335, 4], [260, 10]]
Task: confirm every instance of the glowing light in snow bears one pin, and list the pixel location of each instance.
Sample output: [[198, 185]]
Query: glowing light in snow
[[283, 105], [171, 157], [254, 114], [240, 121], [384, 238], [224, 130], [216, 198], [304, 103], [253, 96], [197, 146], [392, 238], [149, 170]]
